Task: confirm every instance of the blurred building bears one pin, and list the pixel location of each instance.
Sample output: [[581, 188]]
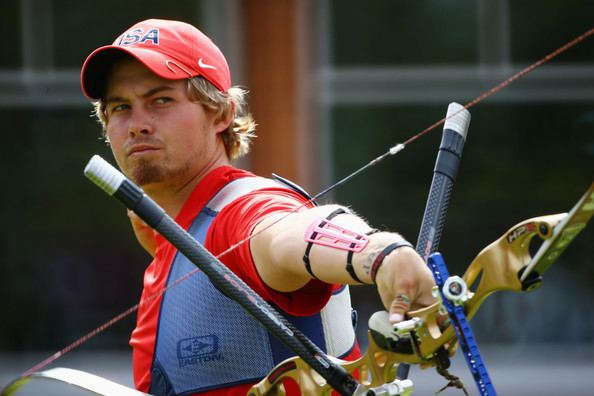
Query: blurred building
[[333, 85]]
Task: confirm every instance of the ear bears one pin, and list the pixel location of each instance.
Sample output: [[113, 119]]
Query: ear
[[225, 119]]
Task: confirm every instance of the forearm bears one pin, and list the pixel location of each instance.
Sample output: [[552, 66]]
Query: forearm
[[287, 260]]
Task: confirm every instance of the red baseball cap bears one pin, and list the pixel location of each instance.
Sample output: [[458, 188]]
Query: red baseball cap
[[171, 49]]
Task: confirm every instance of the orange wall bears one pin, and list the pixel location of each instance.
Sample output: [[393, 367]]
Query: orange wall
[[271, 78]]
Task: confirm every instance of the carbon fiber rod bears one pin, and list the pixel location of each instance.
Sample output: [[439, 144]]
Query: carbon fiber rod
[[114, 183], [445, 171], [453, 138]]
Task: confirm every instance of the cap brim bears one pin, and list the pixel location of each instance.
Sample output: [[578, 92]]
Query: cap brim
[[97, 66]]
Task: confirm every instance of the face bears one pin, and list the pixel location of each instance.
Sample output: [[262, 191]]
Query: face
[[159, 137]]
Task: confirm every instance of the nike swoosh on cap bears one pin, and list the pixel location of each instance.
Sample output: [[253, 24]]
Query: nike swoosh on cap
[[205, 65]]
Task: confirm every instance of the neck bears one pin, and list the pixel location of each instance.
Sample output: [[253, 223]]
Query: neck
[[172, 194]]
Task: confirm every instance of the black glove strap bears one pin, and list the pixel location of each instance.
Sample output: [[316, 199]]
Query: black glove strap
[[379, 260]]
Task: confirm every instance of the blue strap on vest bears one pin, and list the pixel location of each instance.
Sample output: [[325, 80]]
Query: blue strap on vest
[[204, 339]]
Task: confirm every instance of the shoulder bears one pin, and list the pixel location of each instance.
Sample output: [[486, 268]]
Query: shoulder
[[245, 201]]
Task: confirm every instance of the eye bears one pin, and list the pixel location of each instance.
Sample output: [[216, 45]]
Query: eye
[[118, 108], [162, 100]]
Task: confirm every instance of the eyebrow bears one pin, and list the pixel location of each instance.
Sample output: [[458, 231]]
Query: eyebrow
[[145, 95]]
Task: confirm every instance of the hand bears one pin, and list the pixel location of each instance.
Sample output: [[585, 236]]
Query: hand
[[145, 234], [404, 283]]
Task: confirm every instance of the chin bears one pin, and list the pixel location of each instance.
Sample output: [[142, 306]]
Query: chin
[[147, 173]]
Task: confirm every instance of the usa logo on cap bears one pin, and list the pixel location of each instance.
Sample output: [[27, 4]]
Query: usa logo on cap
[[137, 35], [172, 50]]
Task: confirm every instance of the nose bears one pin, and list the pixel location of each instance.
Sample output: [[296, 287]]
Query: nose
[[139, 122]]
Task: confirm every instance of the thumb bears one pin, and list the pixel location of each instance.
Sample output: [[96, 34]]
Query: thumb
[[134, 218], [399, 307]]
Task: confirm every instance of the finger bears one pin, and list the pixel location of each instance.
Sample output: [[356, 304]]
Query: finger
[[132, 216], [136, 220], [399, 307], [443, 321]]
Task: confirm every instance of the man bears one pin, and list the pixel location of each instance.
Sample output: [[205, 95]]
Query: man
[[174, 122]]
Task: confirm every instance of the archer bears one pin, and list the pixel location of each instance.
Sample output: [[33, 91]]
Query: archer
[[175, 123]]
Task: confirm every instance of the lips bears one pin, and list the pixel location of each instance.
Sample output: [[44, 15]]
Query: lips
[[139, 149]]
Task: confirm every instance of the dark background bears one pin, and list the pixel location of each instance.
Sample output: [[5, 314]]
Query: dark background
[[68, 259]]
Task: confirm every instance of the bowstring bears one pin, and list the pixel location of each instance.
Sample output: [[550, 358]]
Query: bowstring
[[392, 151]]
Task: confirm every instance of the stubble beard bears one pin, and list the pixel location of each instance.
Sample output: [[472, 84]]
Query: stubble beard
[[146, 172], [150, 172]]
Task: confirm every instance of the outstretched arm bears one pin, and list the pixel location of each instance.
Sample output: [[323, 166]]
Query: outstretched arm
[[403, 280]]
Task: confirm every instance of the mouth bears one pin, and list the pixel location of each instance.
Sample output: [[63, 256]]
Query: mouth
[[141, 149]]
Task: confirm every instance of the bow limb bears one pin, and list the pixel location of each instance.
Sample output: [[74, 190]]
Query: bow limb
[[507, 264], [376, 370], [80, 379], [500, 265]]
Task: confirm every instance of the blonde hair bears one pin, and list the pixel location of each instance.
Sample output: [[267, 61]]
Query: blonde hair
[[236, 138]]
